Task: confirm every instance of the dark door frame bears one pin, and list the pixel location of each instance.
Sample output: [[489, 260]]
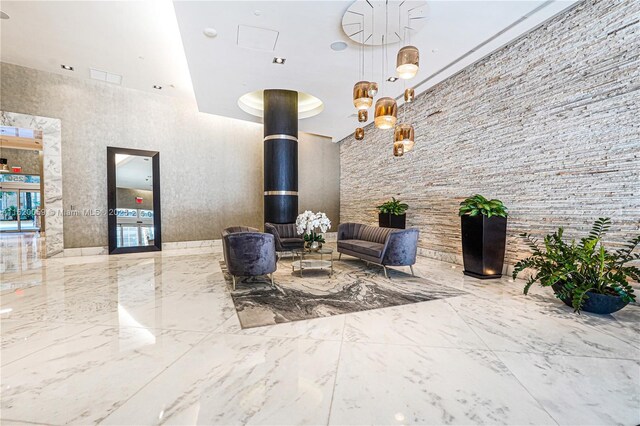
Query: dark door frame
[[111, 202]]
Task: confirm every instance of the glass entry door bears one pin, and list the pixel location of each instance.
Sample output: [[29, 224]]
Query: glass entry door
[[19, 210]]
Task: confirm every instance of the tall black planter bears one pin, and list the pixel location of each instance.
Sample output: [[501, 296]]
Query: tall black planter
[[388, 220], [483, 244]]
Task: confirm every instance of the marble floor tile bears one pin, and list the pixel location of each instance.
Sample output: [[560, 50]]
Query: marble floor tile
[[580, 390], [230, 379], [20, 339], [538, 327], [324, 328], [434, 323], [428, 386], [82, 378]]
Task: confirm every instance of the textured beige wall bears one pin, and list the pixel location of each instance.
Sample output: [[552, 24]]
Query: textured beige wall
[[548, 124], [210, 166], [28, 159]]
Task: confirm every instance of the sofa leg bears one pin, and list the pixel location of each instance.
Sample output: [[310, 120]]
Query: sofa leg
[[234, 281], [271, 275], [411, 267], [384, 268], [339, 256]]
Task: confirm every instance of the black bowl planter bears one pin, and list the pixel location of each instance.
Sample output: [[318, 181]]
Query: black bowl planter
[[596, 303], [483, 243], [388, 220]]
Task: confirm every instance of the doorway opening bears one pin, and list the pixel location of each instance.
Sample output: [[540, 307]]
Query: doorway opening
[[21, 181]]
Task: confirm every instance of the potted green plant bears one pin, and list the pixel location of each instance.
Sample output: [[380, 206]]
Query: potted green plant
[[392, 214], [484, 236], [584, 275]]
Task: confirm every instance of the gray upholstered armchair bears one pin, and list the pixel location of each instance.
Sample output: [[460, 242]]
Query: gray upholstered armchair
[[383, 246], [248, 253], [286, 236]]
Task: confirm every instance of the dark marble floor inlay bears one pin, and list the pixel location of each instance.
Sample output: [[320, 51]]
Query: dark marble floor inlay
[[353, 287]]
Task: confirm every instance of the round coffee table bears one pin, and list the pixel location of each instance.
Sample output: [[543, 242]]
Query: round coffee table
[[309, 259]]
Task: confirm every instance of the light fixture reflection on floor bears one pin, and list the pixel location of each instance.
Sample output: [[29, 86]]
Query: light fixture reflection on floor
[[361, 98], [386, 113], [407, 62]]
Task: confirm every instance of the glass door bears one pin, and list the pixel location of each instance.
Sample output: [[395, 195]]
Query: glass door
[[9, 211], [19, 210]]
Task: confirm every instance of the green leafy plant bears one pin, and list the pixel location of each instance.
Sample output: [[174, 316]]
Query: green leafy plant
[[478, 204], [394, 207], [11, 213], [575, 269]]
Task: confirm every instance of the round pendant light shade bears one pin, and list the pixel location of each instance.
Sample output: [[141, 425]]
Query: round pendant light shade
[[409, 95], [386, 113], [407, 62], [404, 133], [359, 135], [363, 115], [398, 149], [373, 89], [361, 98]]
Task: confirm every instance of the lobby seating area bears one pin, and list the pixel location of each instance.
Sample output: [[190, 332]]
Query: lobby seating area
[[360, 212]]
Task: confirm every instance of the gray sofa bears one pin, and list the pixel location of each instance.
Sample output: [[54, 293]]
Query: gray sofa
[[286, 236], [248, 253], [382, 246]]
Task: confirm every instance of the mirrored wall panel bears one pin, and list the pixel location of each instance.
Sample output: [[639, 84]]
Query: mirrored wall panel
[[134, 205]]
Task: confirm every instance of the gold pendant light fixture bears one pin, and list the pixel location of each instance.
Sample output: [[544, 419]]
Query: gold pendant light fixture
[[407, 65], [386, 113], [361, 98], [407, 62]]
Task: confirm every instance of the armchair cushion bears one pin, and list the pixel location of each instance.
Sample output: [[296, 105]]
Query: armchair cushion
[[286, 236], [364, 247]]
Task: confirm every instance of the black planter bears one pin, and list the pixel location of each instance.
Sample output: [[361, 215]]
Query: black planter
[[602, 304], [483, 243], [388, 220]]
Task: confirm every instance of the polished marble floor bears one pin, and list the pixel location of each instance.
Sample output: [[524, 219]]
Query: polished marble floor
[[154, 338]]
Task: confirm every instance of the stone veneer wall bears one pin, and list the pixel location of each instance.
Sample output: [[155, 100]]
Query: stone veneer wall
[[550, 124]]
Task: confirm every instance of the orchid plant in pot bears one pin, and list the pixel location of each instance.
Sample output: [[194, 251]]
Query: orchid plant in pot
[[313, 225]]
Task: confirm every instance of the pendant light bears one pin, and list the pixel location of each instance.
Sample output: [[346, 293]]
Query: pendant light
[[386, 113], [404, 134], [363, 115], [407, 62], [398, 149], [361, 98], [386, 110], [359, 135], [373, 89], [409, 95]]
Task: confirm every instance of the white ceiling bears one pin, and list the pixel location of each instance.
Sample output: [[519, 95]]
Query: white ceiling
[[222, 72], [138, 40], [134, 171], [143, 41]]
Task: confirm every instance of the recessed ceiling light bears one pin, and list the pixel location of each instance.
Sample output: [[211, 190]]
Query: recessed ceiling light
[[155, 86], [210, 32], [66, 67], [278, 60], [3, 15], [392, 79], [257, 12], [338, 46]]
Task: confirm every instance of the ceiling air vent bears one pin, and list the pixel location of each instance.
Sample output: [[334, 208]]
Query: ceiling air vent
[[257, 38], [105, 76]]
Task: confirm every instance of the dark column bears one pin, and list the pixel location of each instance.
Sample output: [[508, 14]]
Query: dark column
[[280, 156]]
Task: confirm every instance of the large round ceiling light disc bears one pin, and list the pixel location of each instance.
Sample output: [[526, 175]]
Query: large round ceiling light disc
[[253, 103], [364, 22]]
